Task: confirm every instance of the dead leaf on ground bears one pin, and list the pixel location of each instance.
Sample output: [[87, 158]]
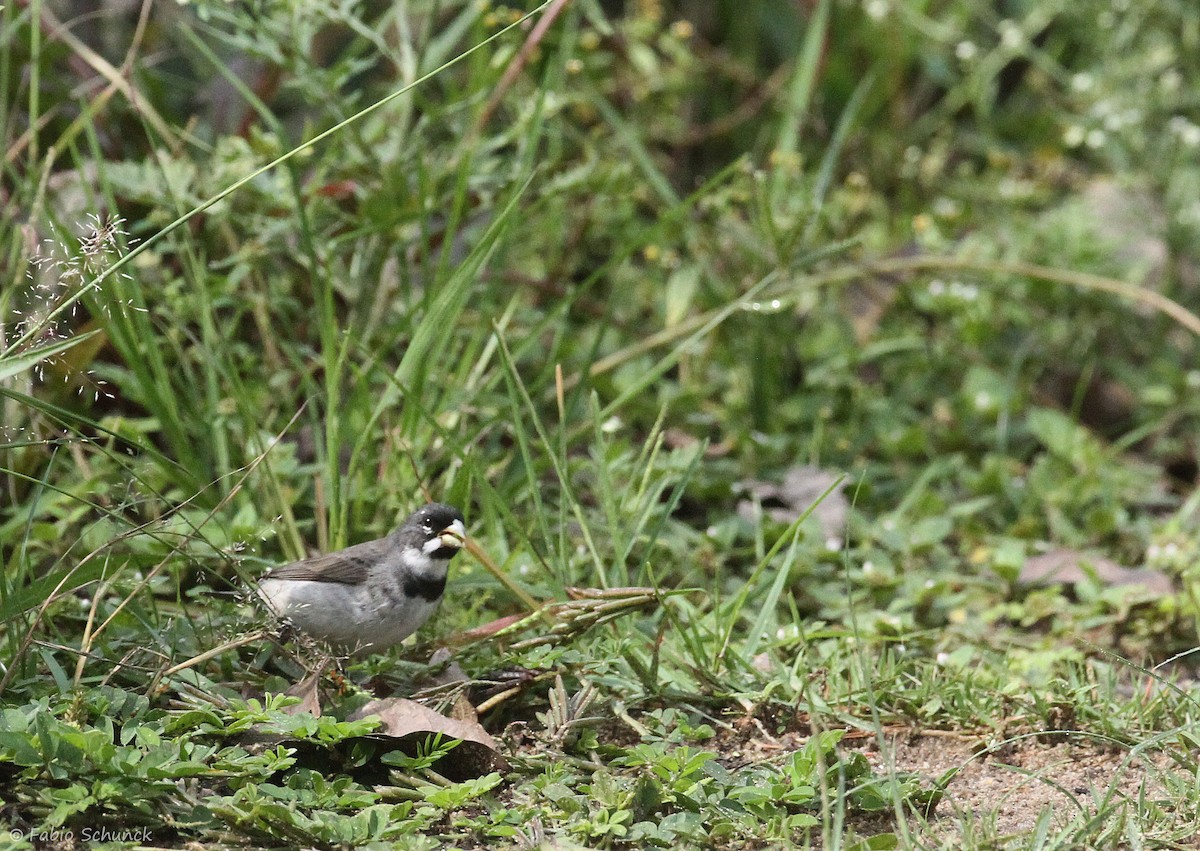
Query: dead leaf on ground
[[410, 724], [801, 487], [451, 680], [1070, 567], [309, 693], [677, 438]]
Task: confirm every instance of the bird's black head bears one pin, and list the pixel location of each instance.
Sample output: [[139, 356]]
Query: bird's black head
[[440, 529]]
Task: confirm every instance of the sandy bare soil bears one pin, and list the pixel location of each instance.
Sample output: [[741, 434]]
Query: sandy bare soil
[[1004, 792]]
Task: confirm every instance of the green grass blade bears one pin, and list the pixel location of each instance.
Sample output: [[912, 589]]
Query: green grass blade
[[15, 364]]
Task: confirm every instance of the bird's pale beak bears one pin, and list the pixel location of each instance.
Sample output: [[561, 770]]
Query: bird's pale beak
[[453, 535]]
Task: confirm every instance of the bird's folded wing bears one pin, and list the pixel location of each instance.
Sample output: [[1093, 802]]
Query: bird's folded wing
[[337, 567]]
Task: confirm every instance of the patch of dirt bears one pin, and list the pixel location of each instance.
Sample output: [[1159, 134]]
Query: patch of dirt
[[1002, 792], [1006, 791]]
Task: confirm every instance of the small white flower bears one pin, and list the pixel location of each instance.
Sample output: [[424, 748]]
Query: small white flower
[[1010, 34], [1082, 82], [946, 208], [964, 292]]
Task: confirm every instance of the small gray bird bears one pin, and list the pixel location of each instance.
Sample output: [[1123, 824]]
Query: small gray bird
[[370, 596]]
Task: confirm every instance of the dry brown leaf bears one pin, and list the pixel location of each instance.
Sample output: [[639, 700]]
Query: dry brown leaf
[[1069, 567], [800, 488], [410, 724], [309, 693]]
